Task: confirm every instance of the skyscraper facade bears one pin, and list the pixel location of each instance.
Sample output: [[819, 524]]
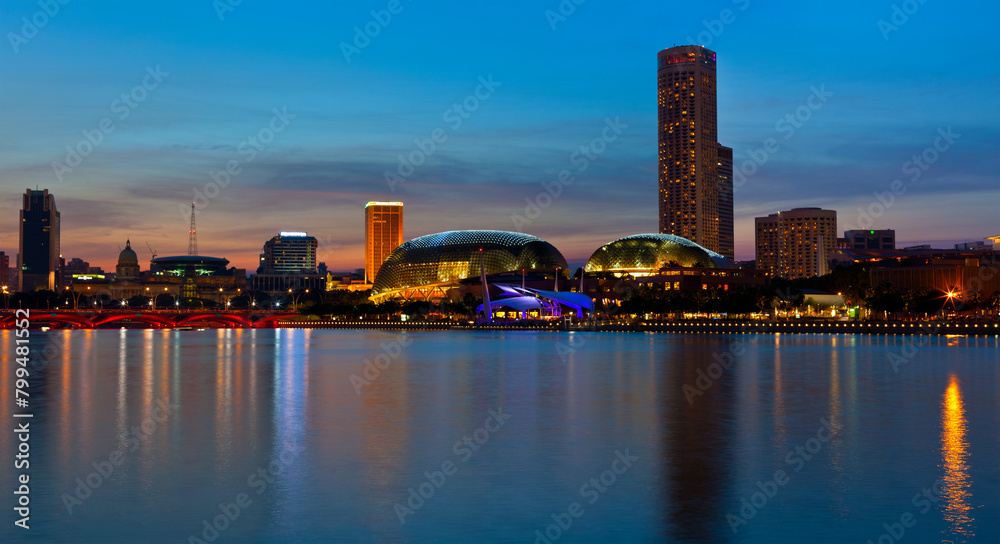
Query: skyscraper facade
[[289, 253], [796, 243], [688, 145], [727, 243], [5, 271], [39, 242], [383, 233]]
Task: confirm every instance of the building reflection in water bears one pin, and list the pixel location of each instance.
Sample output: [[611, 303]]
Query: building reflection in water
[[954, 460], [697, 445]]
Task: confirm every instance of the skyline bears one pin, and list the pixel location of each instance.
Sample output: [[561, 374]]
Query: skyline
[[213, 79]]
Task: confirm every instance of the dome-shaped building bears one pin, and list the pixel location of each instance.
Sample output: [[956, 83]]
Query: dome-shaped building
[[128, 263], [449, 257], [646, 254]]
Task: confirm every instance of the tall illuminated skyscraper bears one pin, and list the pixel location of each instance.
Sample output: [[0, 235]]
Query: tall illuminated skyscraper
[[689, 151], [383, 233], [39, 242]]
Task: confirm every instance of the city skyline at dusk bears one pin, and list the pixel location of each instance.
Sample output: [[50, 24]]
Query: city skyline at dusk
[[299, 114]]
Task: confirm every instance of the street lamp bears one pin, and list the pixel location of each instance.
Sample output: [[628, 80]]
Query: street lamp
[[76, 297], [295, 299], [6, 297]]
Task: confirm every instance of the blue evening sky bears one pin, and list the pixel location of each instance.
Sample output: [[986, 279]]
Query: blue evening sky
[[558, 81]]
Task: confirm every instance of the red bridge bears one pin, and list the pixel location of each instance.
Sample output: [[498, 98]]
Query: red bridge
[[142, 319]]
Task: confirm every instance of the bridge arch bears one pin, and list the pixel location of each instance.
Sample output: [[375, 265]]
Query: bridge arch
[[149, 319], [227, 319], [49, 317], [269, 321]]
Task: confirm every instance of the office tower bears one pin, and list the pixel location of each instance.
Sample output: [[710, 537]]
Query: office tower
[[383, 233], [688, 144], [870, 239], [39, 242], [796, 243], [289, 253], [5, 270], [726, 234]]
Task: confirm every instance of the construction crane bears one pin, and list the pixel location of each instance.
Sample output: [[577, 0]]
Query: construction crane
[[151, 251]]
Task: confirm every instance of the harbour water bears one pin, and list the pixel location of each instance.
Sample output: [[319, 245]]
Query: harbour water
[[273, 436]]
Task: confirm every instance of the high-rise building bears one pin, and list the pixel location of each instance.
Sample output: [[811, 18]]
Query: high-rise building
[[796, 243], [289, 253], [870, 239], [5, 271], [383, 233], [688, 144], [39, 242], [727, 243]]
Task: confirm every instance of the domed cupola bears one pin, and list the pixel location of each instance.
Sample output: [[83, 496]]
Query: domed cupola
[[128, 263]]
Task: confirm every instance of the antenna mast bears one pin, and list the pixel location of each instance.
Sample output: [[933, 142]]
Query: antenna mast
[[192, 236]]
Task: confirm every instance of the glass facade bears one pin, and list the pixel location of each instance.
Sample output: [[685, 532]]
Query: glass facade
[[644, 254], [383, 233], [455, 255], [39, 241]]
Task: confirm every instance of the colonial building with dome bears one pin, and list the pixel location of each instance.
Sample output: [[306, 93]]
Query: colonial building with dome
[[128, 263], [174, 278]]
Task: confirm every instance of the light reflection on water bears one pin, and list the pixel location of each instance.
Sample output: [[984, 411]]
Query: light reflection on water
[[282, 401], [955, 456]]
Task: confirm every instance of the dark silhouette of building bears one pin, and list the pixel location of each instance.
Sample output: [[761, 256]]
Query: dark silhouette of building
[[727, 242], [4, 270], [870, 239], [128, 263], [39, 242]]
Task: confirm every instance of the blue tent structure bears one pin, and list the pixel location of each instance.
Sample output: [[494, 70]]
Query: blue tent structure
[[524, 299]]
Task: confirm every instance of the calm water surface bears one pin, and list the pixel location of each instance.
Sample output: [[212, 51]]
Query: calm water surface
[[140, 436]]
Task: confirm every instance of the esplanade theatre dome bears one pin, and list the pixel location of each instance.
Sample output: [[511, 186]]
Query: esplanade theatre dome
[[645, 254], [455, 255]]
